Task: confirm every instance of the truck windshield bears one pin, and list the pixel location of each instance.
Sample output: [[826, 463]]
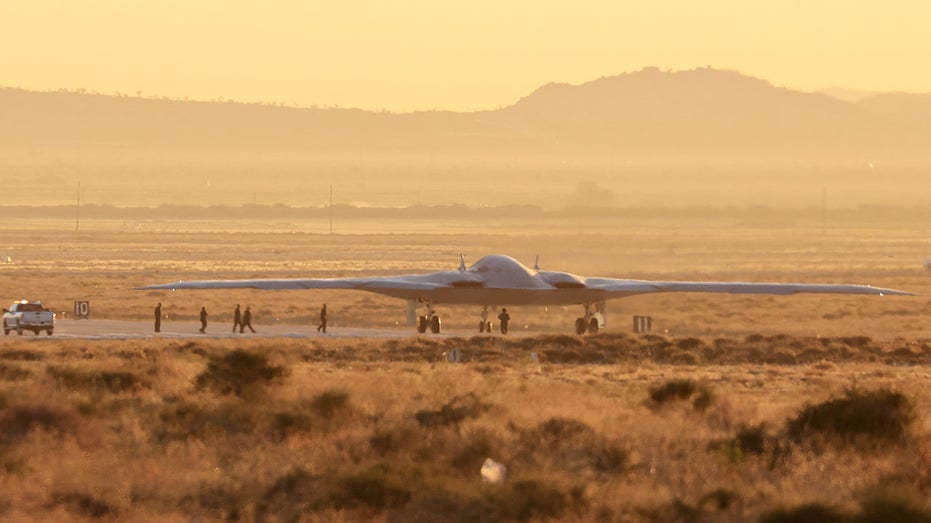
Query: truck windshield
[[30, 307]]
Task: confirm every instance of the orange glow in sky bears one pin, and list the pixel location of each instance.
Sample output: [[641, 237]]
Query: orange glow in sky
[[433, 54]]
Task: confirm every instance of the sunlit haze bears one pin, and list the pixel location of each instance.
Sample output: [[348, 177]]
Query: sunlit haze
[[424, 54]]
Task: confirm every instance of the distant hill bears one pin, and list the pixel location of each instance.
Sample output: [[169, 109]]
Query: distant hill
[[701, 114], [903, 109], [679, 117], [705, 136]]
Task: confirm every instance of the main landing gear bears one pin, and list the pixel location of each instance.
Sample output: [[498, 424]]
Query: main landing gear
[[430, 321], [589, 323], [483, 324]]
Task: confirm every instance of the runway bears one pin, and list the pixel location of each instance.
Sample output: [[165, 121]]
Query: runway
[[95, 329]]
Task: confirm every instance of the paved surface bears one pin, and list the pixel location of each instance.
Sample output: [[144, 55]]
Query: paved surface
[[125, 329]]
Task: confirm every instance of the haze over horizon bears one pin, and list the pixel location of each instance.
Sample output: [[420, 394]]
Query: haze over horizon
[[425, 55]]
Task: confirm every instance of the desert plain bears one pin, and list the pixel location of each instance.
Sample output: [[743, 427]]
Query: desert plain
[[734, 408]]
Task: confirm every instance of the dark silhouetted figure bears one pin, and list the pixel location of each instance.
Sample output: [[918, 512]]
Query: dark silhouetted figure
[[246, 320], [504, 318], [158, 317], [322, 326], [203, 320], [237, 319]]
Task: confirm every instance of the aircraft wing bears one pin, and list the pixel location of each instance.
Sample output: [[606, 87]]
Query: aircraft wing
[[407, 283], [631, 287], [501, 280]]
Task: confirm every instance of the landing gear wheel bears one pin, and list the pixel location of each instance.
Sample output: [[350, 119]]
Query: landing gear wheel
[[35, 331], [481, 326], [48, 332], [593, 326], [580, 326], [488, 327], [435, 324], [6, 332], [422, 324]]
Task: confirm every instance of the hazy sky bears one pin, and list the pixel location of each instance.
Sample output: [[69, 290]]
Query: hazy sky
[[425, 54]]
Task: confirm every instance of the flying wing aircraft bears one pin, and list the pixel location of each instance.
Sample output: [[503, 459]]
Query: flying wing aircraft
[[497, 280]]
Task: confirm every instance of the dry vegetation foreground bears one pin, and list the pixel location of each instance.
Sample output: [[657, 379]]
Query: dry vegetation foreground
[[608, 428], [748, 408]]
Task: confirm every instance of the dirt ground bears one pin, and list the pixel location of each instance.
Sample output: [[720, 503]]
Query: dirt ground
[[105, 261], [375, 423]]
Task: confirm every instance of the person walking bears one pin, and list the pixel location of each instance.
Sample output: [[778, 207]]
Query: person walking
[[203, 320], [237, 319], [322, 326], [246, 320], [158, 317], [504, 318]]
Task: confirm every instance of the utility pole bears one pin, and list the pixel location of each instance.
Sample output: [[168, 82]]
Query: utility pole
[[77, 209], [824, 209], [331, 208]]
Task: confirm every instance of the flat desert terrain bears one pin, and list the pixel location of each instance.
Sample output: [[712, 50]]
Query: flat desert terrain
[[735, 408]]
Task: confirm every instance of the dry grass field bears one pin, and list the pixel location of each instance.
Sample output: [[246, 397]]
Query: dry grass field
[[736, 408], [104, 261], [608, 428]]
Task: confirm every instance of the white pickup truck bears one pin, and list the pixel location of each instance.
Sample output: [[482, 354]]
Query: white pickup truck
[[28, 316]]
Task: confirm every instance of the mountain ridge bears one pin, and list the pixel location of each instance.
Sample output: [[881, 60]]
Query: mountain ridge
[[698, 115]]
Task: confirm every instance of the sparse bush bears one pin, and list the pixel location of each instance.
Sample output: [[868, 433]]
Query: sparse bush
[[220, 501], [298, 492], [673, 390], [681, 511], [718, 499], [82, 504], [289, 497], [655, 339], [18, 421], [386, 441], [780, 357], [330, 403], [887, 505], [180, 421], [753, 440], [689, 343], [807, 513], [682, 390], [855, 341], [571, 445], [682, 358], [749, 440], [237, 372], [11, 462], [879, 416], [286, 423], [533, 499], [458, 409], [372, 488], [478, 446], [22, 355], [13, 373], [115, 382]]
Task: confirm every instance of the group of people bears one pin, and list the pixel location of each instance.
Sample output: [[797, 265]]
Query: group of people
[[241, 319]]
